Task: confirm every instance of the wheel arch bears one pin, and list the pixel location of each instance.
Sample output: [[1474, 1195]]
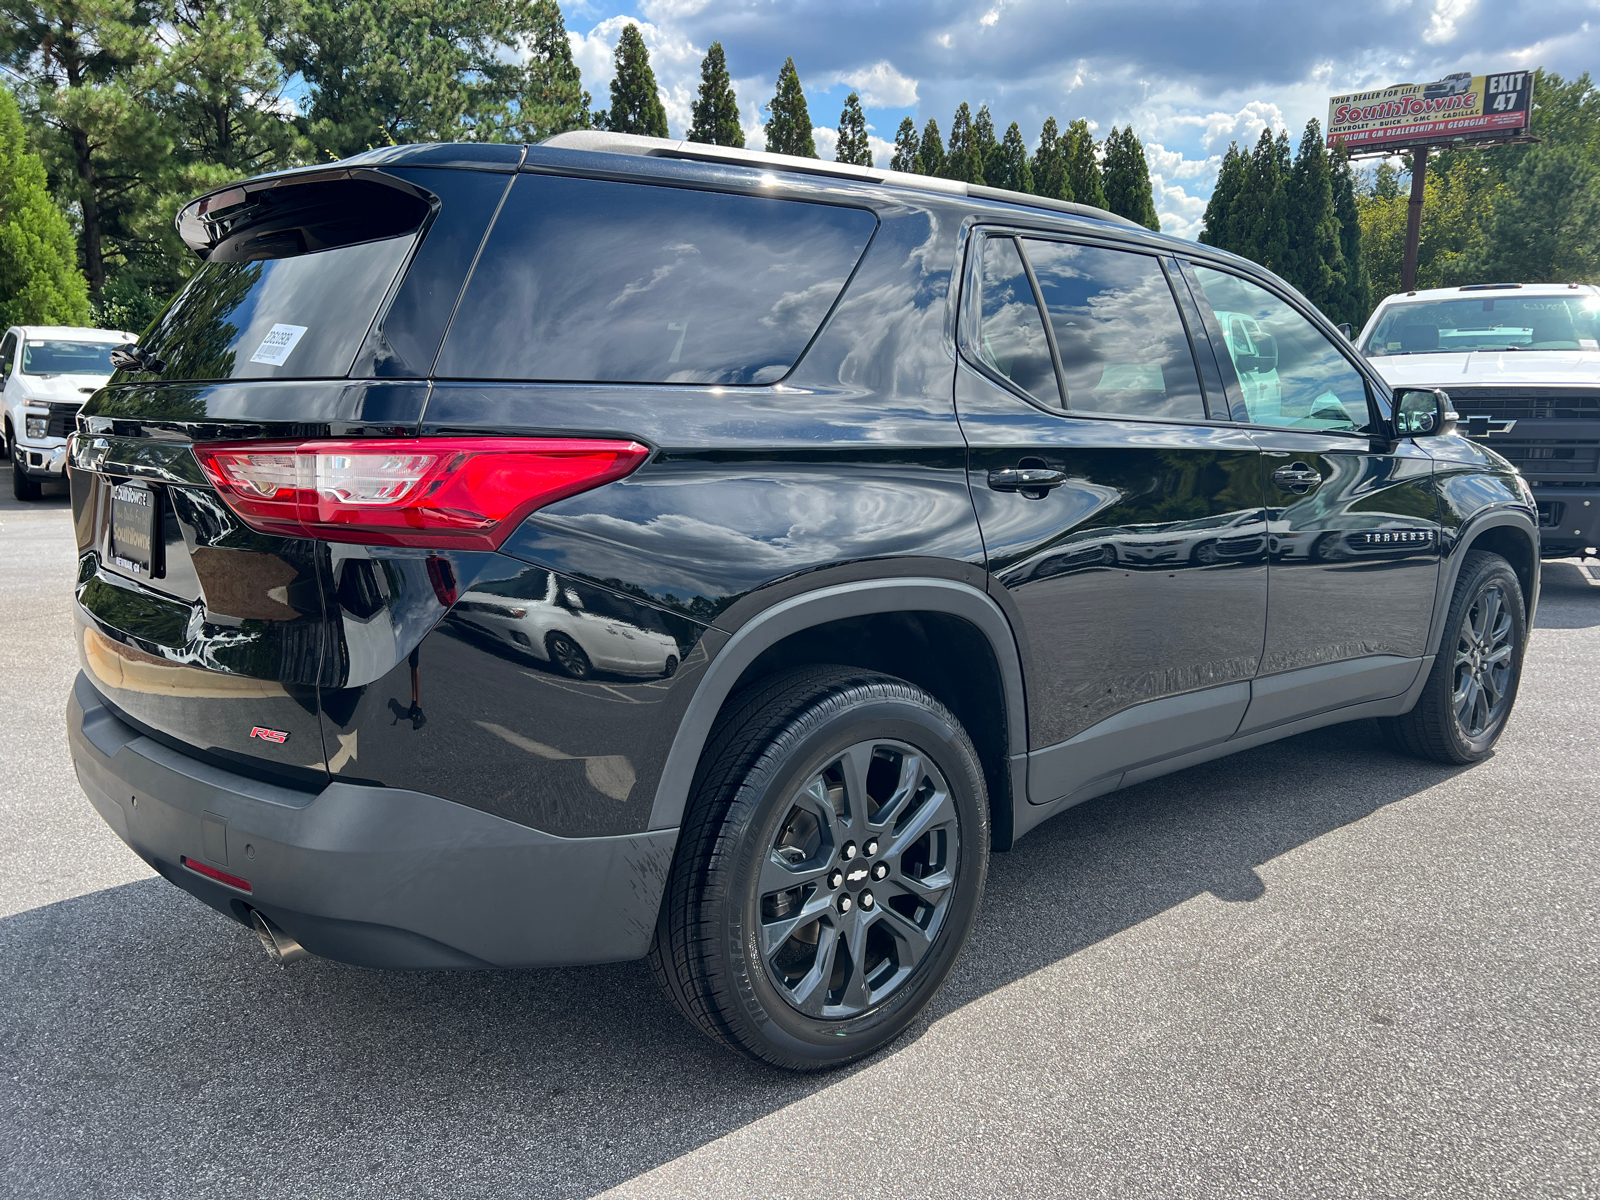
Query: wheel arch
[[882, 625], [1509, 533]]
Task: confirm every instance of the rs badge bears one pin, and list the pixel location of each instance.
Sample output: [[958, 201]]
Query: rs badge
[[269, 735]]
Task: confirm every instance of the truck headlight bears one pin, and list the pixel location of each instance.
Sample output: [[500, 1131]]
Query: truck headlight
[[37, 426]]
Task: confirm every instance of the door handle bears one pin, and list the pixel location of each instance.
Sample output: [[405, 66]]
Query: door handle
[[1297, 478], [1026, 479]]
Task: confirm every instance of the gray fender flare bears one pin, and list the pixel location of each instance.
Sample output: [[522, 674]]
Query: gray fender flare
[[1450, 571], [809, 609]]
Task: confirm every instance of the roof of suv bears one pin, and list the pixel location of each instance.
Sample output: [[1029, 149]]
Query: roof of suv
[[1474, 289], [82, 334]]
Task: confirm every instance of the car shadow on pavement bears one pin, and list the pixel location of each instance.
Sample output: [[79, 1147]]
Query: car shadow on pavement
[[147, 1047]]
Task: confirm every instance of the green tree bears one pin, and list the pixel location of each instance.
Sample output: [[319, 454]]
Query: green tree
[[1127, 179], [1083, 168], [1015, 172], [552, 99], [1315, 261], [89, 72], [907, 149], [1217, 222], [931, 150], [1260, 219], [789, 120], [635, 103], [964, 162], [715, 116], [1546, 225], [1356, 301], [853, 146], [40, 283], [986, 145], [1049, 165]]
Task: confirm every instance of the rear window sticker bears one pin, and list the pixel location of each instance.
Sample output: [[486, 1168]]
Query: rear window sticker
[[275, 347]]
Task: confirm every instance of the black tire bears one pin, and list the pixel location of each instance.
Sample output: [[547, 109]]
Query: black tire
[[22, 487], [1437, 727], [568, 657], [671, 667], [711, 952]]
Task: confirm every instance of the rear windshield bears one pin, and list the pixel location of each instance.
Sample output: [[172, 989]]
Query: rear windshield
[[291, 295], [589, 280], [66, 358], [1487, 322]]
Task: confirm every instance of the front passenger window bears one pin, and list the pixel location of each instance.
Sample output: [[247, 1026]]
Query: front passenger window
[[1289, 373]]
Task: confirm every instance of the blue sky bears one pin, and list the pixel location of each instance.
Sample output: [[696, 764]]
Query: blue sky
[[1191, 77]]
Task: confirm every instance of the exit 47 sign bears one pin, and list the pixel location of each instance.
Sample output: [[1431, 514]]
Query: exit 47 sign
[[1458, 107]]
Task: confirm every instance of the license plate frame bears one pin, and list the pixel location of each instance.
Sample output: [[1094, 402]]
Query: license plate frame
[[134, 541]]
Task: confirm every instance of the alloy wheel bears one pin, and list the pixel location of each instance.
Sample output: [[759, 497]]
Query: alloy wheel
[[857, 880], [1485, 654]]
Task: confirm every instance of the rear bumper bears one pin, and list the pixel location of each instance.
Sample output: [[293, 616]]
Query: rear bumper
[[1569, 520], [378, 877]]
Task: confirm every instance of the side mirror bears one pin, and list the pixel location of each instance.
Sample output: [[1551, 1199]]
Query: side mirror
[[1424, 412], [1349, 333]]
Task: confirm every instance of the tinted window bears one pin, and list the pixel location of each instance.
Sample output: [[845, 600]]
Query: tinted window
[[1123, 346], [66, 358], [1488, 322], [1011, 337], [8, 350], [284, 318], [1289, 373], [584, 279]]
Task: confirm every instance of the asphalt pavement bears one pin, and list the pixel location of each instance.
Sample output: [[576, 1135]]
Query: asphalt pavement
[[1313, 969]]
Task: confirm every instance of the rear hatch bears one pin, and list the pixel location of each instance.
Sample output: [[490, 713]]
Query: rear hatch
[[315, 317]]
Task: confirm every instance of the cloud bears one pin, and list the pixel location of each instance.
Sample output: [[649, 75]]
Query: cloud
[[879, 86]]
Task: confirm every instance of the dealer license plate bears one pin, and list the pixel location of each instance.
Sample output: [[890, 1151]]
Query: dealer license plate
[[133, 527]]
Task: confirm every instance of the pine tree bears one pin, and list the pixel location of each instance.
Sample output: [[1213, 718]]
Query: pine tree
[[789, 128], [963, 162], [1016, 173], [1127, 179], [931, 150], [715, 116], [552, 98], [1260, 220], [1547, 225], [40, 283], [1083, 169], [907, 149], [853, 146], [635, 104], [1315, 262], [1224, 197], [1049, 167], [986, 146], [1357, 299]]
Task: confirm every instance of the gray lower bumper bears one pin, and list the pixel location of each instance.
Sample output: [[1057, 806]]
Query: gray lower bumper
[[1569, 520], [373, 876]]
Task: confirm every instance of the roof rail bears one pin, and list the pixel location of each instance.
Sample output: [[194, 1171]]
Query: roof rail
[[1487, 287], [604, 142]]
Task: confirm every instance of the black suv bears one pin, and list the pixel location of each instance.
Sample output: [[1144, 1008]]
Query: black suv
[[611, 548]]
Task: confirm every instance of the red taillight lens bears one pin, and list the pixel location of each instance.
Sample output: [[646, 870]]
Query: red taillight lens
[[463, 492]]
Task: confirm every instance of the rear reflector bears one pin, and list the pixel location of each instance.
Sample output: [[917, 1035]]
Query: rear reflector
[[440, 492], [232, 881]]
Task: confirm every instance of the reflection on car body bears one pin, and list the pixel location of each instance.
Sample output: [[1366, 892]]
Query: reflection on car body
[[572, 626]]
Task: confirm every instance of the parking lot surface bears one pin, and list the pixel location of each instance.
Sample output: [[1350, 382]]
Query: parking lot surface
[[1313, 969]]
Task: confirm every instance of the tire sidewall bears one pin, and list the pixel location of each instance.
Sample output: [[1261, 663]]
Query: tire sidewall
[[1494, 571], [763, 802]]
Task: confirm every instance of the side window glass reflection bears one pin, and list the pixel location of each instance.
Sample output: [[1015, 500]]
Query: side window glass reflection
[[1011, 337]]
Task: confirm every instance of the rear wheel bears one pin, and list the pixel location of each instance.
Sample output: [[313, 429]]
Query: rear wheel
[[1469, 694], [671, 667], [828, 871], [568, 656], [22, 487]]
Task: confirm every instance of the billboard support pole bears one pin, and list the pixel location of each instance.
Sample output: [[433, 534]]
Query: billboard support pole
[[1419, 176]]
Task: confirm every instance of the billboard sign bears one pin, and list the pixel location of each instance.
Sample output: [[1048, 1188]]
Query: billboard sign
[[1473, 107]]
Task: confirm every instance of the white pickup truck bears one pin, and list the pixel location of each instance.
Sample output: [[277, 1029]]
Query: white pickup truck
[[1521, 362]]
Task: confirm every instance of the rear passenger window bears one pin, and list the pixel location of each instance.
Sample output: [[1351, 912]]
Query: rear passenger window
[[589, 280], [1011, 337], [1123, 346]]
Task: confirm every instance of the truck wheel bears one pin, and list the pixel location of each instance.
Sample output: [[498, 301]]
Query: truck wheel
[[22, 487], [830, 864], [1469, 694]]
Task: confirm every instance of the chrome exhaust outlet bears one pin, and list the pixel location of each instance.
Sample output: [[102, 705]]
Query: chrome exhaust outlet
[[280, 947]]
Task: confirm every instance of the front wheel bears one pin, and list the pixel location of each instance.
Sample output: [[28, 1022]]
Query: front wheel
[[568, 656], [22, 487], [1469, 694], [828, 871]]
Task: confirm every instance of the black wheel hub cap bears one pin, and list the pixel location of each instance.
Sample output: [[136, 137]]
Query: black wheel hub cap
[[855, 885], [1485, 653]]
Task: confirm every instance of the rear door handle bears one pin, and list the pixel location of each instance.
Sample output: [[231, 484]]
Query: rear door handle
[[1026, 479], [1297, 478]]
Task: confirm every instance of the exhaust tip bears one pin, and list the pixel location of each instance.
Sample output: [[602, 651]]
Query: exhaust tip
[[280, 947]]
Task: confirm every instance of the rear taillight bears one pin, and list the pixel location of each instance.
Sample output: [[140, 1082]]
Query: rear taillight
[[441, 492]]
